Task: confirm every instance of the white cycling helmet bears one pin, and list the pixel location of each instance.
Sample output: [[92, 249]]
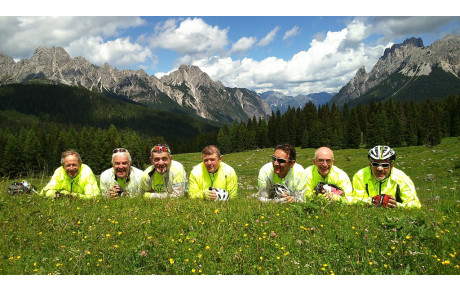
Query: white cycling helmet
[[221, 194], [381, 153]]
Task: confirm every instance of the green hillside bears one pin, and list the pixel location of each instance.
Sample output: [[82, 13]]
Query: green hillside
[[79, 106], [438, 85]]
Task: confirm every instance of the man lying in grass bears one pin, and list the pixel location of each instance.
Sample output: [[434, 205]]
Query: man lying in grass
[[381, 184], [72, 179], [213, 179], [283, 179]]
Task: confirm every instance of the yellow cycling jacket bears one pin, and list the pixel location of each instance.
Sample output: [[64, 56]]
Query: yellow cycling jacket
[[335, 176], [84, 185], [200, 180], [294, 181], [397, 184], [173, 183]]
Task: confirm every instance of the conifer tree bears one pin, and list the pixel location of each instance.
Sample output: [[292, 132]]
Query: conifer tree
[[33, 153], [262, 134], [352, 131], [223, 139], [12, 161]]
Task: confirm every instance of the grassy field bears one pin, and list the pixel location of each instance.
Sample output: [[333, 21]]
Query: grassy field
[[242, 236]]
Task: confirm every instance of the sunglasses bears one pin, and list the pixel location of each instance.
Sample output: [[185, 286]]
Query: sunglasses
[[159, 149], [279, 160], [383, 165], [119, 150]]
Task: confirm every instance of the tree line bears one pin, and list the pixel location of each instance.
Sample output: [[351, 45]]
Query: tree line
[[391, 123]]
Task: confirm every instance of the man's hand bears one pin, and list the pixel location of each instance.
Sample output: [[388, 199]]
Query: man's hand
[[210, 194], [289, 199], [63, 193], [329, 195], [384, 200], [114, 192]]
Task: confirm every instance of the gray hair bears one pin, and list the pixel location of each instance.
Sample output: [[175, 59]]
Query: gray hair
[[121, 154], [70, 153]]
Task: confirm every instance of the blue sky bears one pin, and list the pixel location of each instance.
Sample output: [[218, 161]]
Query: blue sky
[[291, 53]]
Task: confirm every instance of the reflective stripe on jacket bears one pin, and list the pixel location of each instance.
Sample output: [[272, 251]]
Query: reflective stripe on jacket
[[200, 180], [131, 187], [173, 183], [335, 176], [294, 181], [84, 185], [398, 185]]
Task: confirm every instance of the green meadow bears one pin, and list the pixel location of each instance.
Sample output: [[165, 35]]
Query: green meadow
[[242, 236]]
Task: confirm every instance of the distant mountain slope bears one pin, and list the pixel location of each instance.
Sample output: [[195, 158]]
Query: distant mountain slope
[[277, 100], [408, 71], [79, 106], [187, 90]]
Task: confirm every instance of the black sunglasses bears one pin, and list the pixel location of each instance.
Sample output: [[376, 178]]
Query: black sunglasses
[[119, 150], [279, 160], [383, 165]]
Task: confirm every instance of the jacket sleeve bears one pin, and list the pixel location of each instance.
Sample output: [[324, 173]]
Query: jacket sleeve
[[309, 188], [359, 193], [104, 185], [347, 188], [179, 183], [50, 189], [194, 188], [264, 185], [408, 194], [232, 184], [299, 186], [91, 188]]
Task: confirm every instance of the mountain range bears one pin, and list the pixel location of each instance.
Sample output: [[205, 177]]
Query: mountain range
[[187, 90], [279, 101], [408, 71]]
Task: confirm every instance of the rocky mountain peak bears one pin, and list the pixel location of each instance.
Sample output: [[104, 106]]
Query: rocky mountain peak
[[191, 75], [411, 58], [408, 43], [187, 89], [361, 71]]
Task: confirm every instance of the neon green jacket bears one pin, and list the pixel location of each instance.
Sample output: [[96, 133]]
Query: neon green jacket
[[200, 180], [84, 185], [130, 188], [173, 183], [294, 181], [335, 176], [397, 184]]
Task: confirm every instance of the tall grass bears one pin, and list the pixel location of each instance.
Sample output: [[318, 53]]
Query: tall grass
[[242, 236]]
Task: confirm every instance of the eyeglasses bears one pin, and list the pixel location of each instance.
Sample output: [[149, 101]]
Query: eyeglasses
[[119, 150], [383, 165], [160, 149], [279, 160]]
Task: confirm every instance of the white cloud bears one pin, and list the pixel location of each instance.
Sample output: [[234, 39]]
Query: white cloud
[[399, 26], [290, 33], [20, 36], [243, 44], [269, 37], [120, 53], [191, 37], [326, 66]]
